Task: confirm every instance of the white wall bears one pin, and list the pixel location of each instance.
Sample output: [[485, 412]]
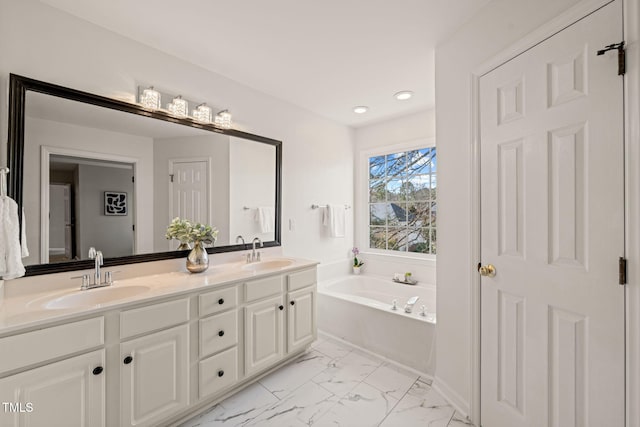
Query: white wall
[[88, 140], [43, 43], [416, 128], [500, 24]]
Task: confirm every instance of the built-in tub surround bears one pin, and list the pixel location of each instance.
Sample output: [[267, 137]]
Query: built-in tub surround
[[358, 309]]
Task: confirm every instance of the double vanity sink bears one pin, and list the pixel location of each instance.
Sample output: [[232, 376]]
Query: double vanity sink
[[151, 350], [125, 290]]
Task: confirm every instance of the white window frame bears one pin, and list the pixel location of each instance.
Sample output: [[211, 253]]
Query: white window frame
[[362, 197]]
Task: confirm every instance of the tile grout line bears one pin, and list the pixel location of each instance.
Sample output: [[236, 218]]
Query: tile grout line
[[398, 402]]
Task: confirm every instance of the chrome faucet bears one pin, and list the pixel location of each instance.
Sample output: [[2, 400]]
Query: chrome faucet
[[99, 260], [410, 303], [255, 256], [243, 242]]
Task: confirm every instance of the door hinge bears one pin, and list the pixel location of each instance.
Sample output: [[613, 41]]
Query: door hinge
[[133, 179], [134, 227], [622, 57], [622, 273], [171, 177]]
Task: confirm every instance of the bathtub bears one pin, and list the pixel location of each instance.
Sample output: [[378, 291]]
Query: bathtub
[[358, 309]]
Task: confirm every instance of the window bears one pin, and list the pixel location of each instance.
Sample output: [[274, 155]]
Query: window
[[402, 201]]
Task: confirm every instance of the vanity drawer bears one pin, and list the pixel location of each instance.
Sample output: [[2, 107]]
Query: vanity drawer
[[218, 332], [301, 279], [218, 372], [217, 301], [45, 344], [153, 317], [262, 288]]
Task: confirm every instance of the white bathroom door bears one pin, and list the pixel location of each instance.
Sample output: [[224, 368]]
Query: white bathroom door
[[552, 205], [189, 190]]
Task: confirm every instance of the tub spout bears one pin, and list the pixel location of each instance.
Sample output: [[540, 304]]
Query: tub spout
[[410, 303]]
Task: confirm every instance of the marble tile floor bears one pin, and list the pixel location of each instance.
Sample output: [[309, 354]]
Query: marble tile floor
[[335, 385]]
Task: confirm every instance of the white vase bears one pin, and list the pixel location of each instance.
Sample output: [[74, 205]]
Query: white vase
[[356, 270]]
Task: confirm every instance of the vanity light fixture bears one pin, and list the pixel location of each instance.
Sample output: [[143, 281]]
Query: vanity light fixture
[[360, 109], [223, 119], [178, 107], [202, 113], [403, 95], [150, 98]]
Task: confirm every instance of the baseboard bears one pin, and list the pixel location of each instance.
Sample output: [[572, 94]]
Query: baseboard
[[460, 404]]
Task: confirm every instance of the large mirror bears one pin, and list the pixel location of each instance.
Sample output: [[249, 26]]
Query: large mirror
[[93, 172]]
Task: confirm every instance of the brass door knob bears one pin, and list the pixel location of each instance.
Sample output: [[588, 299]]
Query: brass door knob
[[487, 270]]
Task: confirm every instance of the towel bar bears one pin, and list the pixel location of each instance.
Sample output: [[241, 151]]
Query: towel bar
[[324, 206]]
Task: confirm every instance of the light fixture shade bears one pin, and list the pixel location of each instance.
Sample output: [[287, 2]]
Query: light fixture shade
[[223, 119], [202, 113], [150, 98], [178, 107]]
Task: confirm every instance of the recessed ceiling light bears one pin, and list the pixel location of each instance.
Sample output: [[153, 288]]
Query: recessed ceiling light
[[361, 109], [403, 95]]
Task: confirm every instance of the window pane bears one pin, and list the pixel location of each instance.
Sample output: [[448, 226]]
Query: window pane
[[378, 214], [433, 213], [377, 238], [397, 213], [419, 240], [377, 191], [419, 214], [397, 238], [376, 167], [417, 188], [433, 241], [434, 180], [396, 165], [395, 191], [418, 161]]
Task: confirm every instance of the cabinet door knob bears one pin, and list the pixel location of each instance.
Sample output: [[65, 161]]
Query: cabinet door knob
[[281, 307], [292, 303], [221, 333], [221, 301], [128, 360], [98, 370], [220, 373]]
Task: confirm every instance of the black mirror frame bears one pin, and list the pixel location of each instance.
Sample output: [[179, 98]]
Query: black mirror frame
[[18, 87]]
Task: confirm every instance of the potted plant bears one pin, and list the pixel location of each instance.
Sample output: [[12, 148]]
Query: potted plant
[[357, 264], [199, 234]]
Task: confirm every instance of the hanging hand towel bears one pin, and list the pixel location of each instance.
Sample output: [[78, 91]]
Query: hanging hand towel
[[265, 216], [10, 250], [334, 218]]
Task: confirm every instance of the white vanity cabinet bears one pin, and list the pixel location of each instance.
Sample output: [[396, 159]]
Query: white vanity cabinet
[[218, 333], [155, 362], [66, 393], [154, 370], [301, 303], [56, 386]]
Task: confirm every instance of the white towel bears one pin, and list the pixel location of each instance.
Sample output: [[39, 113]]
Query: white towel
[[265, 217], [334, 218], [10, 250]]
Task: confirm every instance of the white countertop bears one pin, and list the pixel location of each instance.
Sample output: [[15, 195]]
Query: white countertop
[[29, 310]]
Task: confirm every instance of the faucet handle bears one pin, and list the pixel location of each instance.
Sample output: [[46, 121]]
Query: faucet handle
[[258, 256], [86, 280], [108, 277]]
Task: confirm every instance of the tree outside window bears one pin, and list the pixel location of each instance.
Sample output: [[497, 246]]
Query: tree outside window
[[402, 201]]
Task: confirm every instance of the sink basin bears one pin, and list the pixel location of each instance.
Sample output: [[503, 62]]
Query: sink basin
[[95, 296], [270, 264]]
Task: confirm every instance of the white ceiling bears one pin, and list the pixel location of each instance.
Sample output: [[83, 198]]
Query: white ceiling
[[326, 56]]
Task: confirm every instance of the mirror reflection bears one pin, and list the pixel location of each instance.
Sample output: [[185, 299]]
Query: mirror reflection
[[102, 178]]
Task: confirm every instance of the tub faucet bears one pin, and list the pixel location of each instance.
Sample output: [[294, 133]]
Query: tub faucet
[[410, 303]]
